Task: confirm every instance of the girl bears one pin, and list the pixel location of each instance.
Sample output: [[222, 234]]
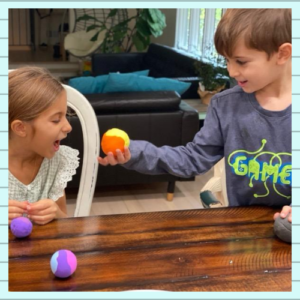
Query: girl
[[39, 168]]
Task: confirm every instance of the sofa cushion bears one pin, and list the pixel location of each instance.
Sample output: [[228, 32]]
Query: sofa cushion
[[165, 61], [133, 102], [105, 63], [91, 85], [134, 83]]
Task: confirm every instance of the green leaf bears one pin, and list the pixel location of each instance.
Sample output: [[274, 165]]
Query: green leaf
[[118, 28], [119, 36], [137, 41], [112, 13], [117, 49], [147, 41], [103, 46], [157, 17], [95, 37], [86, 18], [144, 40], [210, 75], [143, 27], [144, 15], [156, 30], [156, 27], [123, 23], [91, 27]]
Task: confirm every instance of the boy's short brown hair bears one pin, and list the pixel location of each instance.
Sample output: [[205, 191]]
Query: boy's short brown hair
[[262, 29]]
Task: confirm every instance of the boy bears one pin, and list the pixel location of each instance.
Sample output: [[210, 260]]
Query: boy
[[249, 124]]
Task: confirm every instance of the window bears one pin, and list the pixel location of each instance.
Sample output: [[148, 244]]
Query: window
[[195, 30]]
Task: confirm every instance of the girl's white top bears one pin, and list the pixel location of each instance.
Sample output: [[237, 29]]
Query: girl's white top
[[51, 179]]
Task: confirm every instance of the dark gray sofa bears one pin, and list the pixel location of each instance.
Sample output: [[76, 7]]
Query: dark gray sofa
[[160, 117]]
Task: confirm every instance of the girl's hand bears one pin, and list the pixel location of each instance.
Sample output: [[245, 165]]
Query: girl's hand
[[42, 211], [110, 159], [284, 212], [16, 209]]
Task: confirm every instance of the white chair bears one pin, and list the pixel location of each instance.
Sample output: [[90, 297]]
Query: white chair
[[91, 145], [214, 193], [79, 43]]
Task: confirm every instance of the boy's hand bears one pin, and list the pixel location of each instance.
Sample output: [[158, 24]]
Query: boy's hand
[[284, 212], [121, 158], [42, 211], [16, 209]]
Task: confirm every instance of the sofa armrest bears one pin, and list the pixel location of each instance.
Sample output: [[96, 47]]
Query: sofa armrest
[[104, 63], [134, 102], [191, 92]]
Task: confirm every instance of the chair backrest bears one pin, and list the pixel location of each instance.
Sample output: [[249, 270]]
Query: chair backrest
[[219, 170], [91, 147], [214, 193]]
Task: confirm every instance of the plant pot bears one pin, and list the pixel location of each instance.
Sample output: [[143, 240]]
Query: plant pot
[[206, 96]]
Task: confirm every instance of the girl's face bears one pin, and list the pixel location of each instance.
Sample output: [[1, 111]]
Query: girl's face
[[50, 127]]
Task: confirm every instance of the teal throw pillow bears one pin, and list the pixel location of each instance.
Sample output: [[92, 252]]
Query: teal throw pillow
[[140, 73], [133, 83], [84, 84], [95, 85]]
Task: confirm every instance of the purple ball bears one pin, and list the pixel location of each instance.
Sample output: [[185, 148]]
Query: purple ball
[[21, 227], [63, 263]]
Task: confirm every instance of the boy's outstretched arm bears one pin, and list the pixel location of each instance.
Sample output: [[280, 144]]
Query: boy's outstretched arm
[[195, 158]]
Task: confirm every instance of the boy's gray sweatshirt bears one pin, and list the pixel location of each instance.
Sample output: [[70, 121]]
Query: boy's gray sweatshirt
[[256, 144]]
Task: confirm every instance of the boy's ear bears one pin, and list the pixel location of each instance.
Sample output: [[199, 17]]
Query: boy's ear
[[284, 53], [19, 128]]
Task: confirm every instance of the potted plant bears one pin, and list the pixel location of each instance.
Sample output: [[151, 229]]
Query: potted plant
[[213, 75], [123, 36]]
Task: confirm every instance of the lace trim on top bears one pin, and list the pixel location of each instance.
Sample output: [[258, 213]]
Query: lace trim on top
[[69, 161]]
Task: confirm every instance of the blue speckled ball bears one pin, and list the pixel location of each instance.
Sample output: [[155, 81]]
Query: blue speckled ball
[[63, 263], [21, 227]]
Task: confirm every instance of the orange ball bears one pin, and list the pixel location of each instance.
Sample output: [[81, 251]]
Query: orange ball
[[114, 139]]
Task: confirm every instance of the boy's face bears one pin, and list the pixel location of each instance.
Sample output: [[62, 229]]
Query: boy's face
[[252, 69]]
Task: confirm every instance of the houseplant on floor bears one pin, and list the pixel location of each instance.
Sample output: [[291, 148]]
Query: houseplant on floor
[[213, 75], [123, 36]]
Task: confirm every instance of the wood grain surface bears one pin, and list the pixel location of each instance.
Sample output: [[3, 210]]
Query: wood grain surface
[[227, 249]]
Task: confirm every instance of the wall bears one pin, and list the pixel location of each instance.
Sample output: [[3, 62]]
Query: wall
[[19, 29], [168, 36], [46, 29]]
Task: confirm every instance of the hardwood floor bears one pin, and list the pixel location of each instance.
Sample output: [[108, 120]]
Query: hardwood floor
[[144, 197]]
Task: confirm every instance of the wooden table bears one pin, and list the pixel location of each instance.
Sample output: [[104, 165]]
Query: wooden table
[[228, 249]]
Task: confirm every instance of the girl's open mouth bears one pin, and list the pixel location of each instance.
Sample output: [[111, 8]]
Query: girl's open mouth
[[56, 145]]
